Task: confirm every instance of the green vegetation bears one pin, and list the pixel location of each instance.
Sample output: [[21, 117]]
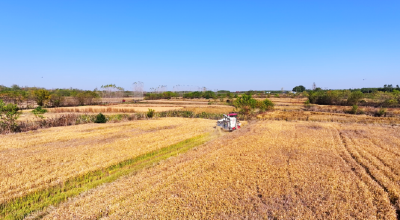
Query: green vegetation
[[355, 97], [21, 207], [381, 112], [150, 113], [299, 89], [42, 96], [163, 95], [100, 118], [9, 113], [39, 111], [247, 104]]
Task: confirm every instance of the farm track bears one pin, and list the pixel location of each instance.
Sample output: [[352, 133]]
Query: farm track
[[368, 170]]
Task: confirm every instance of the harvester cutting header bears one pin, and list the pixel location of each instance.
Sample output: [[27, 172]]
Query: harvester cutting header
[[230, 122]]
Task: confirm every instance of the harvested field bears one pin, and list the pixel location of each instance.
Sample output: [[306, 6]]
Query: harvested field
[[36, 160], [211, 109], [110, 109], [327, 117], [272, 169]]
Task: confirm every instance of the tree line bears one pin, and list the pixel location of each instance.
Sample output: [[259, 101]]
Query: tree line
[[27, 97], [386, 96]]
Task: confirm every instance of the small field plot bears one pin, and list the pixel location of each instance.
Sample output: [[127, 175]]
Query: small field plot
[[269, 170], [39, 159]]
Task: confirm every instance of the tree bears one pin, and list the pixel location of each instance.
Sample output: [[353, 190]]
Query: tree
[[209, 94], [246, 104], [8, 116], [355, 97], [57, 99], [41, 96], [299, 89]]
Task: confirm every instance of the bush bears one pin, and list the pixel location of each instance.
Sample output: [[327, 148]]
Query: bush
[[381, 112], [265, 105], [39, 111], [8, 116], [355, 97], [100, 118], [354, 109], [390, 102], [246, 103], [150, 113]]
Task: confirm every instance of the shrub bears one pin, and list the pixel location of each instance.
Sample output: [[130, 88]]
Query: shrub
[[100, 118], [265, 105], [8, 116], [354, 109], [307, 104], [150, 113], [276, 95], [355, 97], [246, 103], [381, 112], [39, 111], [390, 102]]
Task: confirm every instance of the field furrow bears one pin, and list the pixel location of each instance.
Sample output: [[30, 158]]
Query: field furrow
[[376, 173]]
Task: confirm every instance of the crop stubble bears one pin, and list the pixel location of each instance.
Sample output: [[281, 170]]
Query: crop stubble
[[272, 169], [36, 160]]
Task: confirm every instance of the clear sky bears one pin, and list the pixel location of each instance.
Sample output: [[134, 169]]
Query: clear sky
[[233, 45]]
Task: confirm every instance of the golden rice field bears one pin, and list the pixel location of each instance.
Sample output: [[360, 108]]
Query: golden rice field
[[267, 170], [39, 159]]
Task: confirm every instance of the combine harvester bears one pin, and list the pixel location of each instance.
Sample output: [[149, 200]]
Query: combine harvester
[[229, 122]]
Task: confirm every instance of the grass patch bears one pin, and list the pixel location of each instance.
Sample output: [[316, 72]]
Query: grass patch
[[20, 207]]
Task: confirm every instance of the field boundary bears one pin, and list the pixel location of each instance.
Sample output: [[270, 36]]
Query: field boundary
[[19, 208]]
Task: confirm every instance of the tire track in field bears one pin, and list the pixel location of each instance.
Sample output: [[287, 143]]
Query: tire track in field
[[380, 197], [382, 200], [374, 159], [378, 155]]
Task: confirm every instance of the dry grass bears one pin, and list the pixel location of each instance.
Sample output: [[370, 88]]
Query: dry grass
[[271, 170], [211, 109], [35, 160]]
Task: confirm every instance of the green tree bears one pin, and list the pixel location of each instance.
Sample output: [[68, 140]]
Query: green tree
[[299, 89], [8, 116], [246, 104], [209, 94], [355, 97], [41, 96], [57, 99]]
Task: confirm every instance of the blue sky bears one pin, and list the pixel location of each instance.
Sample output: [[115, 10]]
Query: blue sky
[[234, 45]]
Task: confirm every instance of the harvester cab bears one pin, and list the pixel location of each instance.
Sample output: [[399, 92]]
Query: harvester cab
[[230, 122]]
